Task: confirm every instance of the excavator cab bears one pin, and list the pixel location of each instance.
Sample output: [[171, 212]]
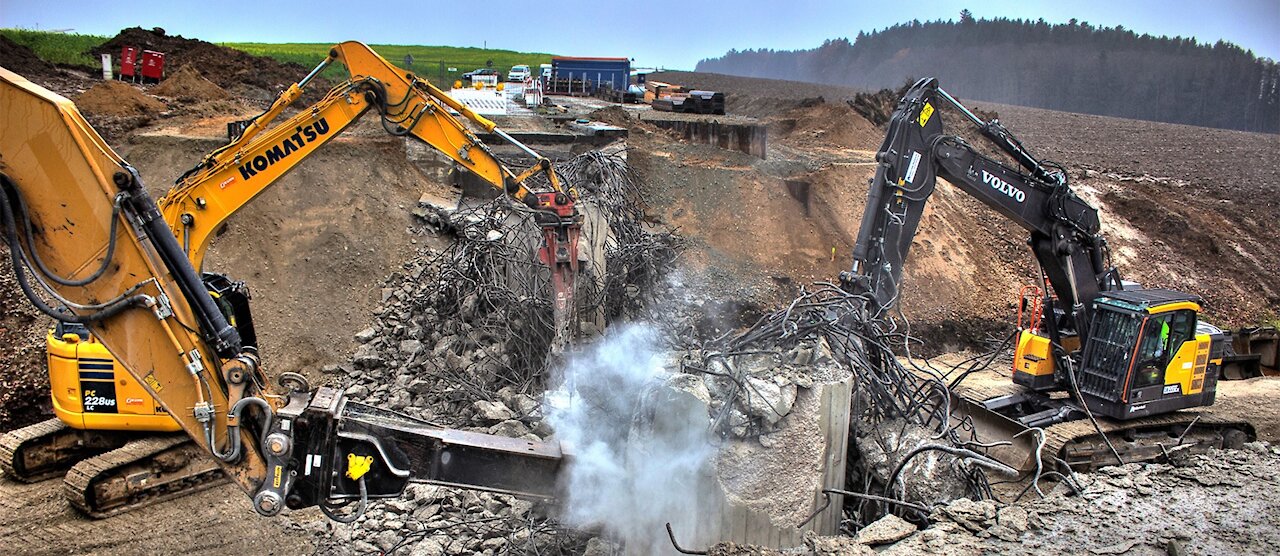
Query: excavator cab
[[92, 391], [1148, 354]]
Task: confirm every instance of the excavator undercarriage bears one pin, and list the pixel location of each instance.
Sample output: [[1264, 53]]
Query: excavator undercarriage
[[1014, 419], [106, 472]]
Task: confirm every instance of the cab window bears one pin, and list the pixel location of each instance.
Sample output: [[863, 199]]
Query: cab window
[[1162, 336]]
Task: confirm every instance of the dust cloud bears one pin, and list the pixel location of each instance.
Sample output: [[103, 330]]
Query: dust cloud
[[641, 452]]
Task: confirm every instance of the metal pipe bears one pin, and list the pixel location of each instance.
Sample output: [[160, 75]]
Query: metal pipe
[[972, 117], [517, 144], [315, 72]]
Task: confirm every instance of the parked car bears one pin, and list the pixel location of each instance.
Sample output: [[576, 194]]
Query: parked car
[[518, 73], [482, 71]]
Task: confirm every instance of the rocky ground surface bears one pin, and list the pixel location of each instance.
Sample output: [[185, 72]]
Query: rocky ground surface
[[1216, 503]]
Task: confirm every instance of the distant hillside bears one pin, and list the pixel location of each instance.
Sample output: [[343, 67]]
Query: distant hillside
[[1073, 67], [74, 50]]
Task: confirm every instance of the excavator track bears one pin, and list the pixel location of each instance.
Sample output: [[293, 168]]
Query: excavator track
[[48, 449], [1076, 444], [143, 472]]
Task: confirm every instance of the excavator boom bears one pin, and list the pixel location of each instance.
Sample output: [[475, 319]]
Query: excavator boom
[[231, 176]]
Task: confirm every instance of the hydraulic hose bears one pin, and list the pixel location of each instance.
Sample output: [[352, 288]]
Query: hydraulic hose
[[223, 337], [35, 255], [353, 516], [18, 258], [233, 431]]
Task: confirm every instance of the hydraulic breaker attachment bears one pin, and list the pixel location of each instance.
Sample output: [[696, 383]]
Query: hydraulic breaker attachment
[[561, 226], [323, 449]]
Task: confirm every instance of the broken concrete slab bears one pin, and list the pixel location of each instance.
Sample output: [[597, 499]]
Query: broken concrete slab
[[492, 411], [888, 529]]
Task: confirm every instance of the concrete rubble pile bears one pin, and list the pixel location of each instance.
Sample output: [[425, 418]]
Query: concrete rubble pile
[[785, 404], [900, 434], [459, 342]]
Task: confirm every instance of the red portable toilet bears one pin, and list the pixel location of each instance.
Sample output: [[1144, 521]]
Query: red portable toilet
[[128, 62], [152, 65]]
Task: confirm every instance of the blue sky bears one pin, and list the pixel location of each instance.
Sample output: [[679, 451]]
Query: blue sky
[[674, 34]]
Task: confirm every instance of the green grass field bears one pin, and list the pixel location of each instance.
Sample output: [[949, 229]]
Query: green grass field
[[428, 61], [59, 48]]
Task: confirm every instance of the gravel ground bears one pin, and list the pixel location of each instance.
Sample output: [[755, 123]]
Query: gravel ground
[[1216, 503]]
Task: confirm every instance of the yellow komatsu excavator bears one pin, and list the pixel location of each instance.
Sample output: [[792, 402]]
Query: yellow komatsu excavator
[[145, 344]]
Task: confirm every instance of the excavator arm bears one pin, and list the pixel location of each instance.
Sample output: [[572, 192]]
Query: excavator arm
[[233, 175], [82, 232], [1064, 229]]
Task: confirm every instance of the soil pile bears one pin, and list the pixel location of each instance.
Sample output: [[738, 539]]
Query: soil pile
[[23, 61], [115, 98], [188, 85], [24, 384], [878, 106], [614, 115], [830, 124], [224, 66]]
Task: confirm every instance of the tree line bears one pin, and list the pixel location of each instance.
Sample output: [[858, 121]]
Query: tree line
[[1073, 66]]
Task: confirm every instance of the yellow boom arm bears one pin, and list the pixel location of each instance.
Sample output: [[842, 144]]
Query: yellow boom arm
[[81, 228], [233, 175]]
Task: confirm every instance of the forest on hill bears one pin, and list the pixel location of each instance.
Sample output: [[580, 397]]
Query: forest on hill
[[1073, 66]]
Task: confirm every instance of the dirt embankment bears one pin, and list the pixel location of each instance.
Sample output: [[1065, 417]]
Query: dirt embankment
[[1186, 207], [227, 67], [23, 61], [758, 98], [24, 382], [315, 247], [1182, 206], [817, 124]]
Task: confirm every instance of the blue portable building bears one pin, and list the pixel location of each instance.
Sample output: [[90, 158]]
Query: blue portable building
[[592, 73]]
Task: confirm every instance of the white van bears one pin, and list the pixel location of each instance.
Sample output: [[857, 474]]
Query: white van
[[518, 73]]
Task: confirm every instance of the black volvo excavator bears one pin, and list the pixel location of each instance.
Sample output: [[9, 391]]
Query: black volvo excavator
[[1129, 358]]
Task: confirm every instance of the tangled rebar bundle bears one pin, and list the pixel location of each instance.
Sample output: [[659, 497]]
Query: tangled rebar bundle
[[489, 292], [889, 402]]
